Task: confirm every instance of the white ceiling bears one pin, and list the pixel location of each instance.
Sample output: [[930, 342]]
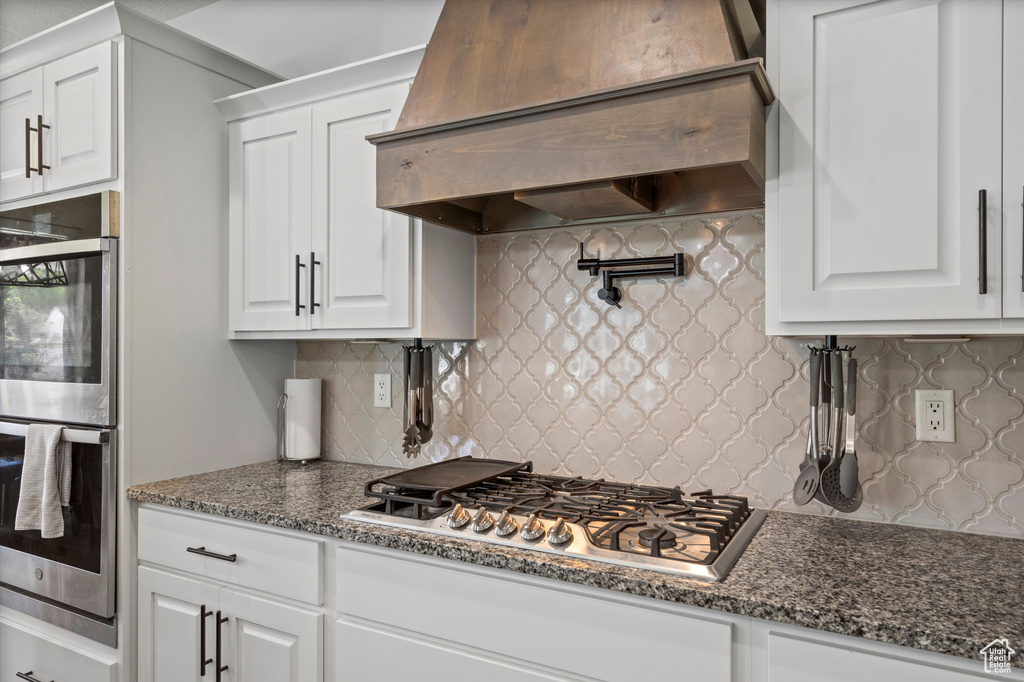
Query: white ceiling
[[20, 19], [288, 37], [298, 37]]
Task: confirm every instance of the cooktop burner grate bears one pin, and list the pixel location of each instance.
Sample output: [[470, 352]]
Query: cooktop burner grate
[[655, 527]]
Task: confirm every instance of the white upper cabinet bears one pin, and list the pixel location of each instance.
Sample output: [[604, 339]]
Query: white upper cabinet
[[73, 100], [21, 102], [890, 140], [78, 96], [364, 276], [311, 254], [1013, 159], [270, 221]]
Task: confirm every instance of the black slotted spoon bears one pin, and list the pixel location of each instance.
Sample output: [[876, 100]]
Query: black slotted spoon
[[831, 477]]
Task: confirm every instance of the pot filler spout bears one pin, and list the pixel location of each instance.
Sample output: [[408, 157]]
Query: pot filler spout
[[539, 113]]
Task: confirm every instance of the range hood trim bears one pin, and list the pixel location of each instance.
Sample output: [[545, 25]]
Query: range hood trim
[[416, 175], [753, 67]]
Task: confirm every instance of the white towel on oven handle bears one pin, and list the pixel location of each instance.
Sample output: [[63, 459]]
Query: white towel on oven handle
[[45, 481]]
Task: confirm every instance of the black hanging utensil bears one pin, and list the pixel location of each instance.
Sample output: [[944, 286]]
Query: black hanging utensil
[[427, 401], [807, 482], [849, 474]]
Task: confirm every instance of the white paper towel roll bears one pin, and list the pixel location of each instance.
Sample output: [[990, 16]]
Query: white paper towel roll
[[302, 419]]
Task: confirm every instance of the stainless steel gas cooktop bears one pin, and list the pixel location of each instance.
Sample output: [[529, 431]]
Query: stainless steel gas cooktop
[[699, 534]]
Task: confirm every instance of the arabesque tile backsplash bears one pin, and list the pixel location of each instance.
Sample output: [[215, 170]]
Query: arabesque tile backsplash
[[681, 386]]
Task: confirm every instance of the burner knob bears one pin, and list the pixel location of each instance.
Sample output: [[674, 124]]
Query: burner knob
[[560, 533], [483, 521], [506, 525], [533, 528], [458, 517]]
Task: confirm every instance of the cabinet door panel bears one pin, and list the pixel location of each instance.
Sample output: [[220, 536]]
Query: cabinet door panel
[[170, 614], [1013, 159], [796, 660], [270, 221], [21, 97], [78, 93], [883, 151], [365, 279], [361, 651], [271, 642]]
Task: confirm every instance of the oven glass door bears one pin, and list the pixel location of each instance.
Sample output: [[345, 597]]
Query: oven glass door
[[74, 569], [56, 319]]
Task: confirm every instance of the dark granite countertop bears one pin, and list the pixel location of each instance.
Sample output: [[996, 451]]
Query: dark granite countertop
[[941, 591]]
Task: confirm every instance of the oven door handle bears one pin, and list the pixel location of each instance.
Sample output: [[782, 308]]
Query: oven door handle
[[69, 435], [41, 252]]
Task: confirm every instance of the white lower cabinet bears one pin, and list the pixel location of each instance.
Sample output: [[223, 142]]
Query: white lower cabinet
[[267, 641], [174, 616], [798, 659], [255, 640], [363, 652], [26, 654], [444, 620], [231, 554], [196, 616], [392, 615], [516, 625]]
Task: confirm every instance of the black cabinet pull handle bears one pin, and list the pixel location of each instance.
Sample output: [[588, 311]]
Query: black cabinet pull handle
[[313, 262], [212, 555], [298, 280], [982, 241], [203, 660], [28, 675], [38, 130], [28, 168], [220, 668], [39, 143]]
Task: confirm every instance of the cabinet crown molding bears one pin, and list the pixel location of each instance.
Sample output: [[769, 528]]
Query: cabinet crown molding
[[368, 74]]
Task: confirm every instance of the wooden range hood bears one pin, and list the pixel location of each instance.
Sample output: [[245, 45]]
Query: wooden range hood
[[539, 113]]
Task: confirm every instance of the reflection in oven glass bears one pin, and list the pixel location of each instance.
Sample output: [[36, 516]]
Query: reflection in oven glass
[[50, 321], [80, 546]]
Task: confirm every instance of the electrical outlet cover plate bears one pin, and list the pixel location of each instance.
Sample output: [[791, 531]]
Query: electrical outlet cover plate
[[382, 390], [926, 422]]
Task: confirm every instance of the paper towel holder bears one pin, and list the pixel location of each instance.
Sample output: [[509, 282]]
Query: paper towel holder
[[282, 404], [287, 448]]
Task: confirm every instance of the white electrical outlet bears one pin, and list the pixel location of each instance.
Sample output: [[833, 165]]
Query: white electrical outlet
[[382, 390], [935, 416]]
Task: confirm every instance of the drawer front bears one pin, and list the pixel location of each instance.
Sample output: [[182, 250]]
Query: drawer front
[[361, 649], [25, 651], [798, 660], [278, 564], [561, 631]]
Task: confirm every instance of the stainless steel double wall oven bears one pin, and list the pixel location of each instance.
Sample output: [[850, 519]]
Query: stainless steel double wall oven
[[58, 365]]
